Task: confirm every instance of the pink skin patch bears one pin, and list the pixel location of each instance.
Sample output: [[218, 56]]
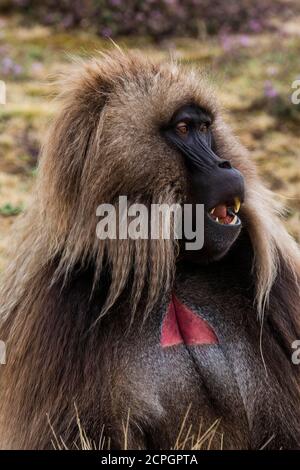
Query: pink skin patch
[[182, 326]]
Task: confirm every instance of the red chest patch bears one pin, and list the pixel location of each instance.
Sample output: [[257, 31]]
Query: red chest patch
[[182, 326]]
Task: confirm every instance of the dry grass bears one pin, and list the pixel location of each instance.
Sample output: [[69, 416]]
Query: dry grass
[[207, 438], [211, 438], [240, 69]]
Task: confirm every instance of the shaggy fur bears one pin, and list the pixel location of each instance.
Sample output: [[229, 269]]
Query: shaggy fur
[[106, 142]]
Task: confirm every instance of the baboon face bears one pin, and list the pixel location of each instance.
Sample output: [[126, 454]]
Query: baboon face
[[212, 181], [177, 153]]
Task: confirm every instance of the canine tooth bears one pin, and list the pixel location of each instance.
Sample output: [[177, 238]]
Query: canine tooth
[[212, 211], [237, 204], [234, 220], [217, 219]]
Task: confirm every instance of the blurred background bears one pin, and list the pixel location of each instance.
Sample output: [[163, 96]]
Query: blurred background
[[250, 48]]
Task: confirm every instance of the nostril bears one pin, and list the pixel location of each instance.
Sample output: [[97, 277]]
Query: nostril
[[225, 164]]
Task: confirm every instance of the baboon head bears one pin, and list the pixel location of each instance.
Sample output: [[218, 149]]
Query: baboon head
[[211, 180], [155, 133]]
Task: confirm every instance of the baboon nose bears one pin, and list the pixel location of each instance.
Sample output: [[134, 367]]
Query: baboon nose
[[225, 164]]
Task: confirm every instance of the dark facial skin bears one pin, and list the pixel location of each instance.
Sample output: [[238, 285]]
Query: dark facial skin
[[212, 181]]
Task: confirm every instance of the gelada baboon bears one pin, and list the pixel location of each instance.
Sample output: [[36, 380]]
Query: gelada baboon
[[139, 332]]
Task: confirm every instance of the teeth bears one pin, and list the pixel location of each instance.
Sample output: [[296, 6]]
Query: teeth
[[217, 219], [212, 211], [237, 204], [234, 220]]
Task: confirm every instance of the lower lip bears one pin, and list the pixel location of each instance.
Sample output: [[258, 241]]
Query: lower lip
[[236, 224]]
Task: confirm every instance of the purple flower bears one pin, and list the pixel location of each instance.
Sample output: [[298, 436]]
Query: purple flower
[[49, 18], [269, 90], [67, 21], [255, 26], [17, 69], [226, 42], [244, 40], [155, 14], [106, 32], [8, 66], [140, 17]]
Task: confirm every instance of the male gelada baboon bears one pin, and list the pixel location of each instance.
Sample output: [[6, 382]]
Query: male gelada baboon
[[139, 333]]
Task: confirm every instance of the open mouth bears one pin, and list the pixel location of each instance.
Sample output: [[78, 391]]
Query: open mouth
[[226, 213]]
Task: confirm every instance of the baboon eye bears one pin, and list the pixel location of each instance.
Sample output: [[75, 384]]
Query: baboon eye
[[203, 127], [182, 128]]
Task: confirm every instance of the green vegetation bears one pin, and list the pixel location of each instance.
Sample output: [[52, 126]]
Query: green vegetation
[[9, 210]]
